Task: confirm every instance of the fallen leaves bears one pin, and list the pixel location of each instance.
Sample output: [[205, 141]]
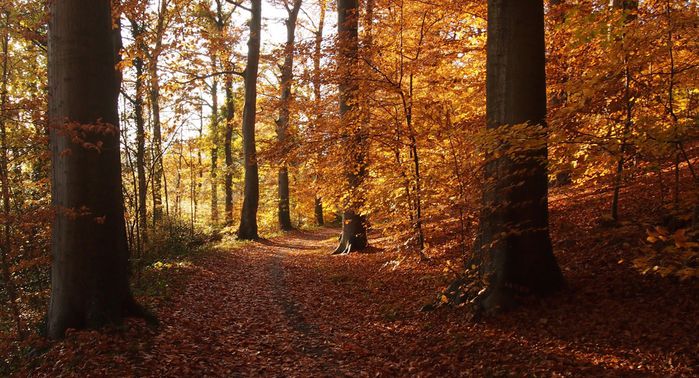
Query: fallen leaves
[[285, 307]]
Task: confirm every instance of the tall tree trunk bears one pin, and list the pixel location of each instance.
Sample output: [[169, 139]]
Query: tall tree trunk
[[136, 31], [90, 268], [629, 7], [318, 53], [251, 195], [214, 145], [155, 109], [200, 165], [157, 170], [412, 137], [178, 180], [230, 113], [284, 113], [354, 236], [192, 188], [514, 231]]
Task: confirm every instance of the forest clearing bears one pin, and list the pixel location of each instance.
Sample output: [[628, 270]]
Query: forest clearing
[[349, 188]]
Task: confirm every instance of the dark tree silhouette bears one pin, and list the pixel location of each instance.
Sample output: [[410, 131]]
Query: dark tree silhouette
[[90, 268], [514, 233], [248, 218], [287, 76], [354, 235]]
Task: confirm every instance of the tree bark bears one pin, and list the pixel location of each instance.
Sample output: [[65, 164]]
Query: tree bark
[[318, 210], [287, 76], [200, 165], [412, 137], [90, 268], [354, 236], [214, 145], [514, 231], [155, 109], [136, 31], [178, 180], [318, 42], [230, 113], [251, 194]]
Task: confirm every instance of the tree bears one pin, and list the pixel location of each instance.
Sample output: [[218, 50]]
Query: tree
[[354, 236], [514, 231], [228, 148], [155, 109], [251, 193], [141, 50], [214, 143], [213, 24], [629, 7], [90, 268], [317, 54], [287, 77]]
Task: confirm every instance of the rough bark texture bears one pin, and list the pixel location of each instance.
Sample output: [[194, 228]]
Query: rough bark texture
[[248, 218], [353, 237], [136, 31], [287, 76], [513, 233], [228, 182], [90, 271]]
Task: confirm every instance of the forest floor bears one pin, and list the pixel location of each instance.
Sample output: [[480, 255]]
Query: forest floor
[[285, 307]]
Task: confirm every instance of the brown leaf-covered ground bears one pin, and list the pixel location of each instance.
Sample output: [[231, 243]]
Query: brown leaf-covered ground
[[285, 307]]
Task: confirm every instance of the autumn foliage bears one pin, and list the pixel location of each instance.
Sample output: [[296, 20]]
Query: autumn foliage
[[408, 156]]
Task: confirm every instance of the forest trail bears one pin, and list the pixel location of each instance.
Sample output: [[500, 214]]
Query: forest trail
[[286, 307], [240, 313]]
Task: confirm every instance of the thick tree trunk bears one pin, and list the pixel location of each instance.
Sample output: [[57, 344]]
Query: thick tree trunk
[[230, 112], [354, 236], [284, 113], [90, 268], [514, 231], [251, 194]]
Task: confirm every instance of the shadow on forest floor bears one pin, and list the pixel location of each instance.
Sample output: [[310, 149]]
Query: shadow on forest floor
[[293, 310]]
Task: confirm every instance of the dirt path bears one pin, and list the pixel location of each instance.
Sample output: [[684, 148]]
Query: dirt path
[[285, 307], [239, 318]]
